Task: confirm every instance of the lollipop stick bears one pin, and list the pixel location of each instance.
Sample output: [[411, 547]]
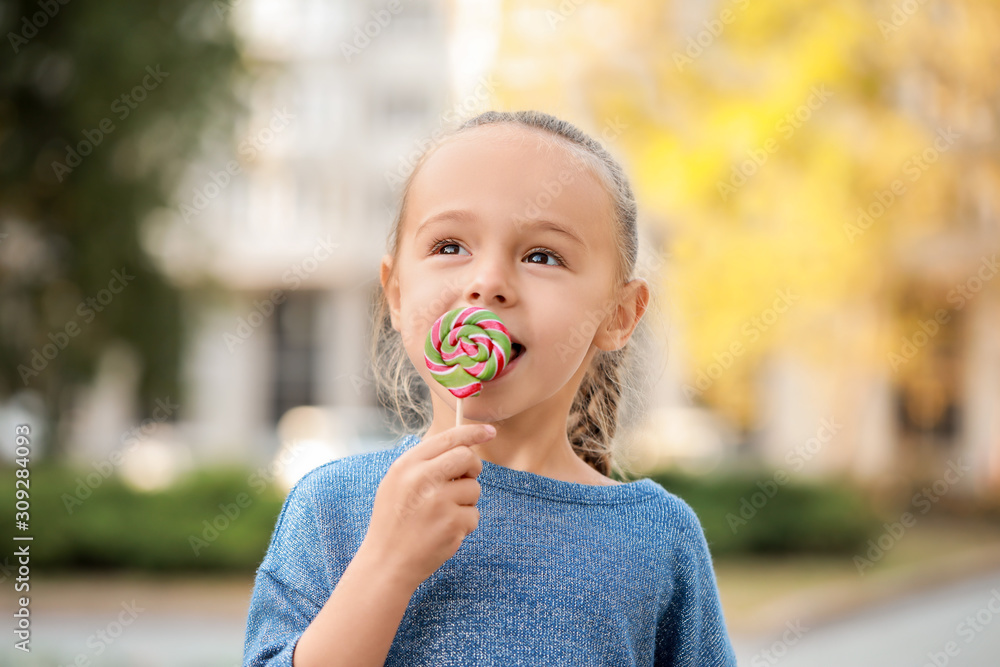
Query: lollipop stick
[[458, 413]]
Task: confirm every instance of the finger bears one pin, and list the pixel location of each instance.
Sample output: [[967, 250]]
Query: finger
[[469, 518], [466, 434], [461, 461], [462, 491]]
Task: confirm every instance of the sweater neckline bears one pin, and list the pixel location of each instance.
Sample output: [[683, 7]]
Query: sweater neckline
[[532, 484]]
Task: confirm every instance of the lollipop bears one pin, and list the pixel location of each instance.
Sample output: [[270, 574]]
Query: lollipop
[[466, 347]]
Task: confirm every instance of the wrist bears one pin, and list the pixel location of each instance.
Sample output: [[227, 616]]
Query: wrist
[[383, 571]]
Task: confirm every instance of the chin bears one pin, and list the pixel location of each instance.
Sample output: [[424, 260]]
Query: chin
[[482, 409]]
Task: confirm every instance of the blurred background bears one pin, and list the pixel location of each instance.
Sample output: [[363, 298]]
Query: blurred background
[[194, 198]]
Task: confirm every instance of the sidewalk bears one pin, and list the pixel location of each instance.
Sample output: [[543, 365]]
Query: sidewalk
[[760, 596], [122, 620]]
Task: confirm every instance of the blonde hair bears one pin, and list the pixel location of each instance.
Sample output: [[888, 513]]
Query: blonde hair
[[608, 385]]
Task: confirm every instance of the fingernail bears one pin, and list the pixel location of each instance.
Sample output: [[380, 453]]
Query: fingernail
[[491, 429]]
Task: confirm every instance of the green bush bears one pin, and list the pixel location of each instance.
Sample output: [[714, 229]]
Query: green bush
[[740, 517], [116, 527]]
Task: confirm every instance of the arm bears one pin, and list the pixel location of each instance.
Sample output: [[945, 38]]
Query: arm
[[691, 632], [288, 621], [357, 624], [424, 507]]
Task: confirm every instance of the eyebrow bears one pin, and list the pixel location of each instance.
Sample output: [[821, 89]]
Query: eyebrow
[[462, 215]]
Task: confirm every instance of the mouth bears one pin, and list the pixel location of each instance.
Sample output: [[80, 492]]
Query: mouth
[[517, 351]]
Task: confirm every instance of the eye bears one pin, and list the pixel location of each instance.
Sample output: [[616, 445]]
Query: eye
[[550, 253], [445, 243], [441, 244]]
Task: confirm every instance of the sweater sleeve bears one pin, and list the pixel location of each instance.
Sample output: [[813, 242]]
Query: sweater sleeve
[[290, 587], [691, 631]]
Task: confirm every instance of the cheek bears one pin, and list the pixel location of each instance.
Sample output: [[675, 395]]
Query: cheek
[[555, 335], [571, 323], [421, 305], [415, 328]]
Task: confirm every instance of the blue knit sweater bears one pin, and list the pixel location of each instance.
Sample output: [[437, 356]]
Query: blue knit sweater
[[556, 573]]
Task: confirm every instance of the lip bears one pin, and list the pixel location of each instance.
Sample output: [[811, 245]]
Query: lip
[[509, 367]]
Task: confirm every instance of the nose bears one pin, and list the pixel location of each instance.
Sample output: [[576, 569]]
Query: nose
[[490, 283]]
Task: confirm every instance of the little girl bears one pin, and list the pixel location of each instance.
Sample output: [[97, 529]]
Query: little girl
[[501, 541]]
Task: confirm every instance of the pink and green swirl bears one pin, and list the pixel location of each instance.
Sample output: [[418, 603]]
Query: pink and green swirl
[[466, 347]]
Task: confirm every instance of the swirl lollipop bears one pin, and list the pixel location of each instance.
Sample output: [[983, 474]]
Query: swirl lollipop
[[466, 347]]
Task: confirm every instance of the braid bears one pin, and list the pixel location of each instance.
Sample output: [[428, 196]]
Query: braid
[[593, 417]]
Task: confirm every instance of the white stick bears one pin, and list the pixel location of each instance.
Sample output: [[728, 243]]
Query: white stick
[[458, 413]]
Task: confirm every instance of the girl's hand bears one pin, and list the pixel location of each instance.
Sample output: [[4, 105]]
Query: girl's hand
[[426, 504]]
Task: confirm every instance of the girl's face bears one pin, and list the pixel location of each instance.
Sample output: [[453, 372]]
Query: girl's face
[[512, 221]]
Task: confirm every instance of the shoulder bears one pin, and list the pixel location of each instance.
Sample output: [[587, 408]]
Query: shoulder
[[668, 510], [670, 521], [347, 477], [342, 482], [331, 501]]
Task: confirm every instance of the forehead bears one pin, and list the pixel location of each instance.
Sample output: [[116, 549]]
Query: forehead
[[508, 172]]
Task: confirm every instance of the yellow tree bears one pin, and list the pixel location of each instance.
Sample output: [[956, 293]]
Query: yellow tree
[[787, 149]]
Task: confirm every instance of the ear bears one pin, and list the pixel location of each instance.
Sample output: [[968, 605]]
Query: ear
[[618, 327], [391, 289]]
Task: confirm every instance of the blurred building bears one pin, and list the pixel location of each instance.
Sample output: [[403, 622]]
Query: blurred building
[[278, 234], [277, 237]]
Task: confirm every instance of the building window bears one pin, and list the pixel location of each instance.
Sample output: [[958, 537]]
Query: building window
[[927, 366], [295, 353]]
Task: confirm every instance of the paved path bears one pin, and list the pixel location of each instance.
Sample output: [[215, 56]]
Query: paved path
[[116, 623], [153, 641], [957, 626]]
